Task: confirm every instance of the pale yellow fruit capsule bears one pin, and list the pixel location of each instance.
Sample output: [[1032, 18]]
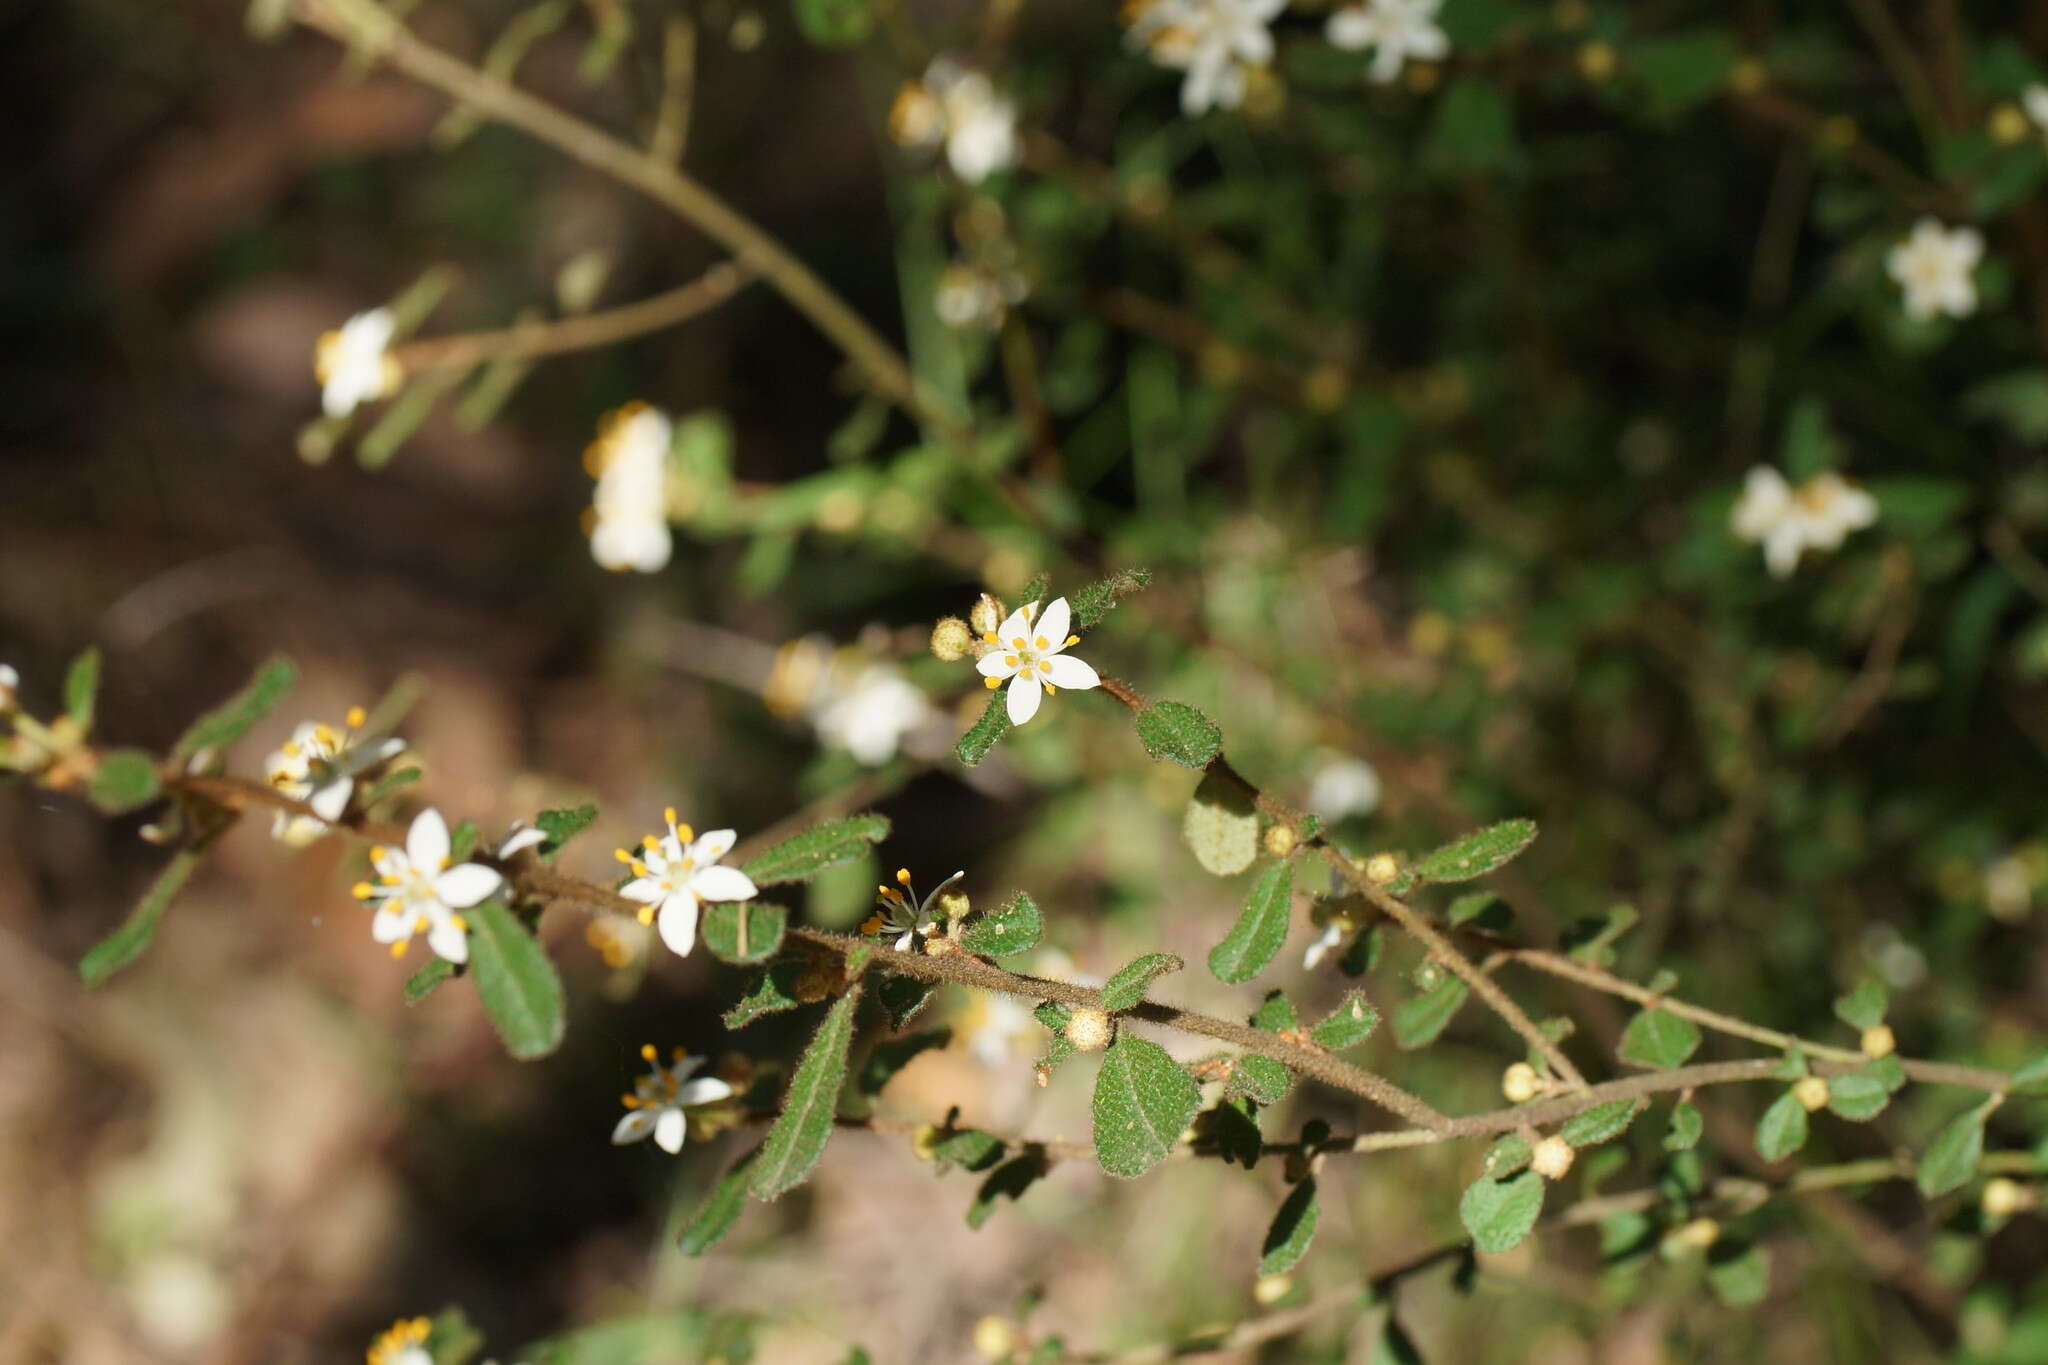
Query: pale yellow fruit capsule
[[1552, 1158], [2003, 1197], [995, 1338], [986, 615], [1878, 1041], [1270, 1289], [1280, 840], [1520, 1083], [1811, 1092], [2007, 125], [951, 639], [1382, 868], [1699, 1234], [1089, 1030]]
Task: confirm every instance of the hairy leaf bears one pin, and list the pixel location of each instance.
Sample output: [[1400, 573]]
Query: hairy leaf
[[1478, 853], [1863, 1007], [1507, 1155], [128, 942], [1260, 1078], [1659, 1039], [1293, 1228], [428, 979], [1013, 929], [125, 780], [239, 714], [772, 992], [1858, 1096], [798, 1139], [518, 985], [1687, 1124], [82, 688], [903, 996], [1178, 733], [1782, 1129], [560, 826], [1601, 1123], [1221, 827], [983, 734], [764, 923], [1099, 598], [832, 844], [1275, 1012], [1421, 1020], [968, 1148], [1952, 1158], [1127, 987], [1500, 1213], [721, 1208], [1251, 943], [1144, 1100], [1350, 1024]]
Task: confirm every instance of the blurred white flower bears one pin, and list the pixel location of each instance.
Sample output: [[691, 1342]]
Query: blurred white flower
[[2009, 888], [902, 917], [10, 684], [354, 365], [659, 1100], [1214, 41], [1337, 930], [2035, 101], [674, 873], [1397, 29], [1343, 786], [959, 106], [972, 296], [1787, 522], [1030, 657], [867, 709], [319, 765], [518, 838], [1934, 267], [416, 891], [629, 507], [992, 1026], [403, 1343]]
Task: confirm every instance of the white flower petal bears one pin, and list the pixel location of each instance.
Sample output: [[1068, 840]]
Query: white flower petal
[[449, 939], [518, 840], [331, 800], [670, 1128], [712, 845], [1782, 549], [636, 1125], [678, 923], [426, 843], [722, 884], [390, 923], [996, 663], [1025, 694], [1064, 670], [646, 890], [1332, 935], [704, 1091], [1016, 626], [466, 884], [1054, 626]]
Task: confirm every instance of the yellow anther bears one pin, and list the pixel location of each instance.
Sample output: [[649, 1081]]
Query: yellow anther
[[903, 875], [1010, 660], [639, 868], [376, 853], [362, 891], [1045, 666], [685, 833], [988, 637], [630, 1101], [649, 842], [325, 734], [1018, 642], [398, 948], [872, 924], [676, 1054], [646, 915], [668, 815], [1040, 643], [420, 924], [623, 856], [648, 1052], [356, 717], [991, 683], [1049, 689], [459, 922], [291, 750], [388, 878], [1071, 640]]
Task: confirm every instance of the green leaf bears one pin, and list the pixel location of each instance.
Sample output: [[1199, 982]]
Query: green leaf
[[1659, 1039], [772, 992], [451, 1340], [1952, 1159], [1007, 1181], [1858, 1096], [239, 714], [903, 996], [721, 1208], [1275, 1013], [1601, 1123], [968, 1148], [1863, 1007], [2031, 1079], [1233, 1126], [127, 943], [518, 984], [1144, 1100], [1178, 733], [1421, 1020], [1098, 599], [1480, 908], [1221, 827], [82, 689], [125, 780], [1127, 987], [1251, 943], [1739, 1273], [1294, 1227], [462, 841], [1500, 1213], [428, 979], [389, 785], [799, 1136], [1508, 1155], [983, 734], [1478, 853], [1782, 1129], [560, 826], [1684, 69], [893, 1055], [764, 926], [1013, 929], [1473, 131], [832, 844], [2018, 399], [1687, 1124], [1350, 1024], [1889, 1070], [1259, 1078]]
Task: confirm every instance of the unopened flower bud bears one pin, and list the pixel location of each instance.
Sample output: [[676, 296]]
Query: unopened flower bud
[[1280, 840], [1382, 868], [2004, 1197], [987, 614], [955, 905], [924, 1143], [1551, 1158], [951, 639], [1699, 1234], [1270, 1289], [1520, 1083], [1878, 1041], [1089, 1030], [995, 1338], [1811, 1092]]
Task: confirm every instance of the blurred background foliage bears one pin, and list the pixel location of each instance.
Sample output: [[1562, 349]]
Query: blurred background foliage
[[1425, 403]]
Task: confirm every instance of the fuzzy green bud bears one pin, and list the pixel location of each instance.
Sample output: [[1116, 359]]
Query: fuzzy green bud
[[951, 639]]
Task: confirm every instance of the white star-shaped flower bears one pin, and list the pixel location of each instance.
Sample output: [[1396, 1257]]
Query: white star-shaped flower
[[1787, 522], [959, 106], [869, 712], [1030, 656], [1934, 266], [659, 1100], [902, 917], [672, 874], [629, 507], [1397, 29], [416, 891], [1214, 41], [319, 766], [403, 1343], [355, 365]]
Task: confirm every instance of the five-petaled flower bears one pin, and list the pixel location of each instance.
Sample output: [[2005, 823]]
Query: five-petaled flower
[[1029, 654], [660, 1098], [1396, 29], [866, 708], [1788, 522], [628, 521], [674, 872], [416, 890], [319, 765], [354, 365], [959, 106], [901, 916], [1214, 41], [403, 1343], [1934, 266]]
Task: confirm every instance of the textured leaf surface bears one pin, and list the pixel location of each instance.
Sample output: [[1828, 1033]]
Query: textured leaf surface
[[239, 714], [1261, 1078], [1015, 928], [1127, 987], [765, 925], [772, 992], [560, 826], [1221, 827], [1350, 1024], [1499, 1213], [82, 688], [1275, 1012], [1099, 598], [1659, 1039], [1687, 1124], [1782, 1129], [428, 979], [902, 997], [1421, 1019], [720, 1210], [798, 1139], [1863, 1007], [125, 780], [983, 734], [1293, 1228], [1178, 733], [128, 942], [1144, 1100], [1601, 1123], [1952, 1158], [1478, 853], [1858, 1096], [516, 981], [1251, 943], [832, 844]]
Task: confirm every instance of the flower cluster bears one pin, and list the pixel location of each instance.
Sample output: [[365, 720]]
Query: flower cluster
[[659, 1104], [958, 106], [1787, 522], [1216, 42], [354, 365], [319, 765], [674, 873], [628, 522], [418, 892], [1396, 30]]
